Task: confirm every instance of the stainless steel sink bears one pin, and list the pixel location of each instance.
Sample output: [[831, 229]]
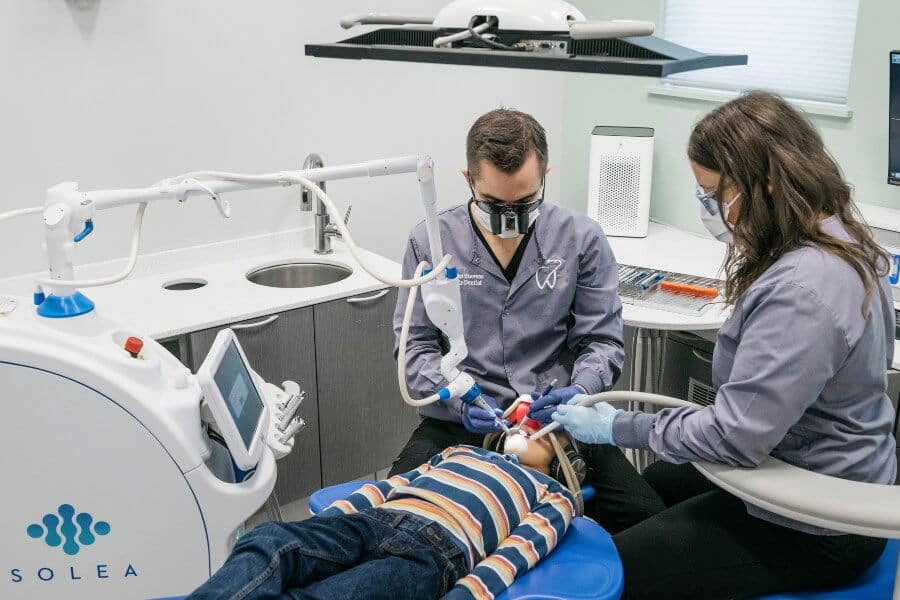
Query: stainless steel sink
[[298, 275]]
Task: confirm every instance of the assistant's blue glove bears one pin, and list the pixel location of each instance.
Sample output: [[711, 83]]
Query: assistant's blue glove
[[543, 407], [588, 424], [479, 420]]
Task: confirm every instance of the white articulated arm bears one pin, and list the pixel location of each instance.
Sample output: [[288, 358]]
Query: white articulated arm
[[350, 21]]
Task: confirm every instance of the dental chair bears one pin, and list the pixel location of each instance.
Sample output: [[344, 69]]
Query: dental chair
[[584, 566]]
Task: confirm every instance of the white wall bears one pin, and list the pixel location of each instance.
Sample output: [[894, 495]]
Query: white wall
[[860, 144], [117, 93]]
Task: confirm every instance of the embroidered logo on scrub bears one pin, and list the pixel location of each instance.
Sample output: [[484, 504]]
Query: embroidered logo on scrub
[[68, 535], [546, 273]]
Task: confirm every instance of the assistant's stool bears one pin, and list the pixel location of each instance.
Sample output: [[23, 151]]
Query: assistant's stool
[[584, 566], [875, 584]]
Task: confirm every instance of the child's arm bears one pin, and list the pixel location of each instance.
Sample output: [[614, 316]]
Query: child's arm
[[371, 495], [535, 537]]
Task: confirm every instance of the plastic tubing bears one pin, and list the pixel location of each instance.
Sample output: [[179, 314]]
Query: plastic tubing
[[132, 259], [657, 399], [337, 218], [20, 213], [401, 352]]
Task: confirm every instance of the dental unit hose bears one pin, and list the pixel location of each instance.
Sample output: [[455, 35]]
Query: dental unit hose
[[657, 399], [22, 212]]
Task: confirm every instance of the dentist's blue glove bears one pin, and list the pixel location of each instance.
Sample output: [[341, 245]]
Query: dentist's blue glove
[[543, 407], [588, 424], [478, 420]]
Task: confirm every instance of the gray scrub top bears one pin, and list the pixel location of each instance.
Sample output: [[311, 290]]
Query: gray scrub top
[[560, 318], [801, 375]]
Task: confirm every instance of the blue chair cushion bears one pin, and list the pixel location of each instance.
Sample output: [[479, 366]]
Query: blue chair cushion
[[875, 584], [323, 498], [585, 566]]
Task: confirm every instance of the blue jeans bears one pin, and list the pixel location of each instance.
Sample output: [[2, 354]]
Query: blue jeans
[[371, 554]]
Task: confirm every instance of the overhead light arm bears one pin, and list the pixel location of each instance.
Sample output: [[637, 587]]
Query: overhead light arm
[[383, 19], [618, 28]]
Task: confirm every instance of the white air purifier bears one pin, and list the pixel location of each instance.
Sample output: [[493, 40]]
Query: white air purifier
[[620, 174]]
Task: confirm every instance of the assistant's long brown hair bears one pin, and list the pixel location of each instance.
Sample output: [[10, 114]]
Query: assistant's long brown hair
[[760, 141]]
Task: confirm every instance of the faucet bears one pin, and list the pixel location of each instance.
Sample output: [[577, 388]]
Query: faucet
[[325, 229]]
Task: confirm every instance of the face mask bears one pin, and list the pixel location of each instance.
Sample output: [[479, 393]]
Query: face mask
[[709, 215], [507, 223]]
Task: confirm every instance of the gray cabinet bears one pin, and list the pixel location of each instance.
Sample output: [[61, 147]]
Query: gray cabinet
[[687, 368], [282, 349], [363, 421]]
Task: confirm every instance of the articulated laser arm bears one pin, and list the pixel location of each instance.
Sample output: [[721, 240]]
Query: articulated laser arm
[[69, 214]]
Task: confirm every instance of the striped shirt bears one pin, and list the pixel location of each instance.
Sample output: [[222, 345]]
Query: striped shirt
[[506, 517]]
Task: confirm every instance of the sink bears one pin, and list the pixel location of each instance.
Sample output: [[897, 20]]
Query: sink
[[298, 274]]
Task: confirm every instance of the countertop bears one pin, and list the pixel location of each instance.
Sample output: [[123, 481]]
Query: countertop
[[228, 296], [670, 249], [142, 301]]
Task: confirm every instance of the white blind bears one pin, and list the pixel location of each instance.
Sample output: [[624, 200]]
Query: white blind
[[798, 48]]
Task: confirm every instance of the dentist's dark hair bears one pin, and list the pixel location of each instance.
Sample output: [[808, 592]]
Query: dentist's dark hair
[[505, 138], [756, 142]]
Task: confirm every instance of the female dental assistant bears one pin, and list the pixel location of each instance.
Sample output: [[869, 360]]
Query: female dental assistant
[[799, 369]]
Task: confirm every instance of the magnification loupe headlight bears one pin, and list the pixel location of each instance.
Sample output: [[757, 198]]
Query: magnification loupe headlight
[[509, 219]]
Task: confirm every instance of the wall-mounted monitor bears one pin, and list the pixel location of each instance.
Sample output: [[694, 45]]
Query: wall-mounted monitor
[[894, 123]]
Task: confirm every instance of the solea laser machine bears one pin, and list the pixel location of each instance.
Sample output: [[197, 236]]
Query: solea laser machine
[[110, 485]]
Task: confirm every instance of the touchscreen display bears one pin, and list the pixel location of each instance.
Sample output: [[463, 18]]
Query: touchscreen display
[[234, 383], [894, 126]]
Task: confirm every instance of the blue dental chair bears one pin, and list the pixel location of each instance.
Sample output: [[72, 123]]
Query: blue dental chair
[[585, 565]]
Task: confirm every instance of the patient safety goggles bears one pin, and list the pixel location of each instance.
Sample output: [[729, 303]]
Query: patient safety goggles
[[508, 219]]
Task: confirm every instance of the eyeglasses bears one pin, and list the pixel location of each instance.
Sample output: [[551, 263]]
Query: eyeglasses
[[494, 205]]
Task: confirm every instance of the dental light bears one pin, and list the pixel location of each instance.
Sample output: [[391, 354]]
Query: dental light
[[548, 35]]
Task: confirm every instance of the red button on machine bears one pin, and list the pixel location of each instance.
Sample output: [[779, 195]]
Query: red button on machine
[[133, 346]]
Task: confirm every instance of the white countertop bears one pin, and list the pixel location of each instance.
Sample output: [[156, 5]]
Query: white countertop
[[142, 302], [670, 249], [229, 297]]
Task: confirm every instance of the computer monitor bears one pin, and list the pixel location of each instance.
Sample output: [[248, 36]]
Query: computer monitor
[[894, 123]]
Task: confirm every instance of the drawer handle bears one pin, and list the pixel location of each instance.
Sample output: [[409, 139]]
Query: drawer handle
[[699, 356], [256, 325], [380, 294]]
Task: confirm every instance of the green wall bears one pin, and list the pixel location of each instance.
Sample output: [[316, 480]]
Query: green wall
[[859, 144]]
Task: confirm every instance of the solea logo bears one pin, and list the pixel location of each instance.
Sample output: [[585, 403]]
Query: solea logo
[[68, 529]]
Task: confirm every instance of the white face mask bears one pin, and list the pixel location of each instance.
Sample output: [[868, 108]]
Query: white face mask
[[709, 215], [508, 225]]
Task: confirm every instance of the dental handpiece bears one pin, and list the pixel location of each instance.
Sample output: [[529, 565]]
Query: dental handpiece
[[295, 426], [480, 402], [290, 410]]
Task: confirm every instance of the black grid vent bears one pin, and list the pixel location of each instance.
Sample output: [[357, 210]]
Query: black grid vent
[[897, 324], [396, 37], [614, 48]]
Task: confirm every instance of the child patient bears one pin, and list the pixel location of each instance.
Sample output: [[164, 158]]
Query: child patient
[[466, 524]]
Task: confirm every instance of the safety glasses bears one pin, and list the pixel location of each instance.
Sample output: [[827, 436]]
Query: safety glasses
[[495, 206], [708, 200]]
